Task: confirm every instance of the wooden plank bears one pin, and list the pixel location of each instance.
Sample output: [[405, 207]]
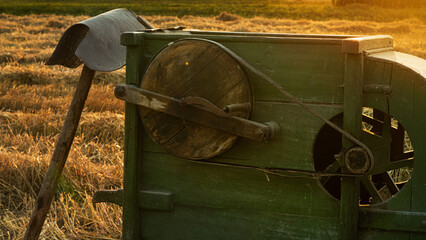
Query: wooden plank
[[311, 73], [155, 200], [228, 202], [352, 122], [197, 183], [417, 236], [393, 220], [189, 222], [150, 200], [418, 138], [401, 101], [281, 35], [244, 38], [361, 44], [376, 73], [130, 204], [172, 107], [373, 234], [132, 38], [291, 148]]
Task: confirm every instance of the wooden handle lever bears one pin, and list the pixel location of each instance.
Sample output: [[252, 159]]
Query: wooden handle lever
[[161, 103]]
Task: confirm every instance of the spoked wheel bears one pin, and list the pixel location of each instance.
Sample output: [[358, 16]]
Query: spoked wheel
[[392, 148]]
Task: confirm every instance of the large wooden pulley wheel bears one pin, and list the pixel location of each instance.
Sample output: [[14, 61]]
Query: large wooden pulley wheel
[[202, 71]]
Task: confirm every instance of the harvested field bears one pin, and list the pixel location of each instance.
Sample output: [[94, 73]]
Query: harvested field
[[34, 99]]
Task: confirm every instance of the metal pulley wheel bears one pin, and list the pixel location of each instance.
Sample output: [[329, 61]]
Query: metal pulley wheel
[[198, 73]]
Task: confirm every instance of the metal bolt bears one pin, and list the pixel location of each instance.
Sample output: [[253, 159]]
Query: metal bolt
[[119, 91]]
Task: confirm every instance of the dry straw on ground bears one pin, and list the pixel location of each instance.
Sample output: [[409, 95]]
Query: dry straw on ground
[[34, 99]]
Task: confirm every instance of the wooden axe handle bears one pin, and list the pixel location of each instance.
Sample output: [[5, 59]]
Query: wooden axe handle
[[59, 157]]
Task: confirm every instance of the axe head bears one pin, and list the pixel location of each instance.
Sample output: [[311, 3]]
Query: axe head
[[96, 41]]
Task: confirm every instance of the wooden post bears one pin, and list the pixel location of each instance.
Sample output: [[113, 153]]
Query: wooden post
[[59, 157], [352, 122], [130, 198]]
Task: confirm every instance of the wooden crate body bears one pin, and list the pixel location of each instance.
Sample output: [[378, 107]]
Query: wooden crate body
[[236, 195]]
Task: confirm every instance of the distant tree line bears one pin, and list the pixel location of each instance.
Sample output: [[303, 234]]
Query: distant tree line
[[383, 3]]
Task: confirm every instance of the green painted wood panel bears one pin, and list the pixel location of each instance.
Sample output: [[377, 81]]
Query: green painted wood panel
[[401, 100], [215, 200], [130, 205], [378, 73], [417, 236], [189, 222], [311, 73], [406, 104], [206, 196], [369, 234], [419, 142], [199, 183], [352, 123], [291, 148]]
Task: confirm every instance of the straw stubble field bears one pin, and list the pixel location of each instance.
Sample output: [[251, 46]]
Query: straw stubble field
[[34, 99]]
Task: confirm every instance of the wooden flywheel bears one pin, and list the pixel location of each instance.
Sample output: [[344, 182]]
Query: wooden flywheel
[[200, 70]]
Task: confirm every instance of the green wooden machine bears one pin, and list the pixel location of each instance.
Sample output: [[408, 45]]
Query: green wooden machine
[[271, 136]]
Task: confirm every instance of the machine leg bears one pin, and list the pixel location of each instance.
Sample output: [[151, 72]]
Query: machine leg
[[352, 122]]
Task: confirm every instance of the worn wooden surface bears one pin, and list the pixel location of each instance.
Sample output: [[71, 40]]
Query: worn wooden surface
[[352, 122], [282, 150], [207, 196], [232, 196], [361, 44], [311, 71], [59, 157], [198, 110], [407, 221], [131, 152], [194, 68]]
